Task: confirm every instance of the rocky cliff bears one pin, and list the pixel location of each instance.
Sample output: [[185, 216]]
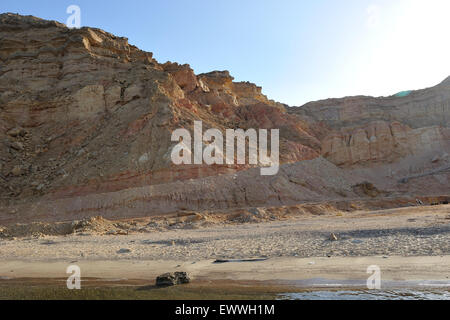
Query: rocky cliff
[[367, 129], [86, 121]]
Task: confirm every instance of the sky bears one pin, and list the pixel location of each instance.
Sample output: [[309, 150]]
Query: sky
[[297, 50]]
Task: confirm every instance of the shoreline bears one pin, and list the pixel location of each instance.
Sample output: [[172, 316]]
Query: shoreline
[[318, 272], [411, 246]]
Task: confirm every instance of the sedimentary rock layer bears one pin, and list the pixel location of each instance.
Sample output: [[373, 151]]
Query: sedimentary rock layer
[[86, 121]]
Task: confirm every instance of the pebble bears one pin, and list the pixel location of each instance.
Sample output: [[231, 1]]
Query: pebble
[[333, 237]]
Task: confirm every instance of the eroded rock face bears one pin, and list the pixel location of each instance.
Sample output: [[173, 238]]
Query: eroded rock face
[[373, 130], [382, 141], [86, 121], [99, 112]]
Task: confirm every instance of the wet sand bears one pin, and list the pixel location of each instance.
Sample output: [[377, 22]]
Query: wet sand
[[278, 278], [277, 270], [410, 245]]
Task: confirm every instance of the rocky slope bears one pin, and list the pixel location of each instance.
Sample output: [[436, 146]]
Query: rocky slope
[[86, 121], [367, 129]]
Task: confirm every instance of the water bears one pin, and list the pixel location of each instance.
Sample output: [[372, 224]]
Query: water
[[401, 294]]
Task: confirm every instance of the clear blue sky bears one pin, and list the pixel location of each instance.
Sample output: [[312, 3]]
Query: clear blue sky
[[296, 50]]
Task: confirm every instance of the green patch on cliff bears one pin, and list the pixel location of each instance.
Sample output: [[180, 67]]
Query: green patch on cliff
[[403, 93]]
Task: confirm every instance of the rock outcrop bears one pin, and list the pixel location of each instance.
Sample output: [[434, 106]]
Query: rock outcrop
[[96, 113], [382, 141], [367, 129], [86, 120]]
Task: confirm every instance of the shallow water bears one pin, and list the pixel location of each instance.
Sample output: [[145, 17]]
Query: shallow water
[[403, 294], [312, 289]]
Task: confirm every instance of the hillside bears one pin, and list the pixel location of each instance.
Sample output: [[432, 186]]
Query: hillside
[[86, 122]]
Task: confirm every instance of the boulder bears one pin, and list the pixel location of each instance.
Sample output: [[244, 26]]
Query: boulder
[[16, 132], [172, 279]]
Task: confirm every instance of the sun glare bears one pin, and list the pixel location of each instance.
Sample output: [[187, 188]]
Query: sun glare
[[411, 46]]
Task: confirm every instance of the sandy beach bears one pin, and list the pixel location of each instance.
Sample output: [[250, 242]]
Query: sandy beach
[[304, 272], [410, 245]]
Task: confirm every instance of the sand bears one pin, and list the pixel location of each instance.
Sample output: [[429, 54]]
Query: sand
[[274, 269], [408, 244]]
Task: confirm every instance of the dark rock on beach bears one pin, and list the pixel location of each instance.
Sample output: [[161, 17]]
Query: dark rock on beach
[[172, 279]]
